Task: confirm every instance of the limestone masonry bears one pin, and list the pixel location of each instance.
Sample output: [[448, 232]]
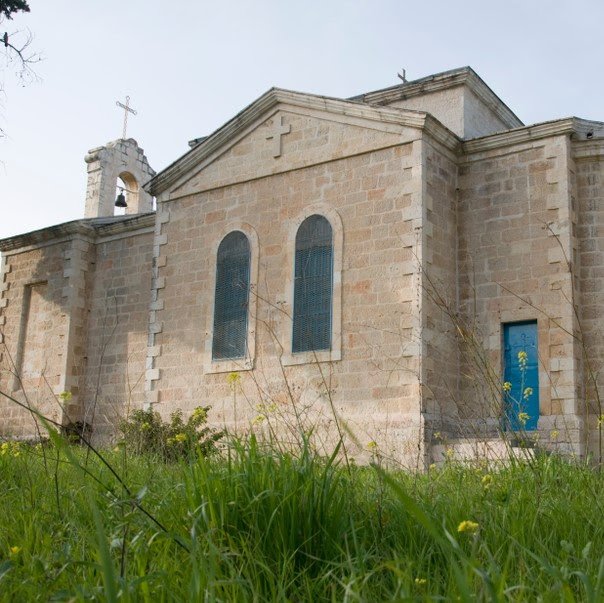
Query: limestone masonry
[[414, 262]]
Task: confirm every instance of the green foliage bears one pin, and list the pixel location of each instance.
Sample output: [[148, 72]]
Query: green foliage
[[9, 7], [144, 432], [255, 524]]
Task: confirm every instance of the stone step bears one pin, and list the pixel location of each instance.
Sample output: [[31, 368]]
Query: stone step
[[469, 450]]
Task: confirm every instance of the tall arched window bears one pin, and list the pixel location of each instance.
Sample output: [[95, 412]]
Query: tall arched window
[[231, 299], [313, 286]]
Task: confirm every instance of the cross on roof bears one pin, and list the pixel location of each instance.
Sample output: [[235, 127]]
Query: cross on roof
[[279, 131], [127, 109]]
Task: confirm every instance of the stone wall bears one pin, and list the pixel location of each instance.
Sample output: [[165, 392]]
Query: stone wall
[[590, 267], [479, 118], [33, 329], [446, 105], [73, 321], [514, 237], [376, 196], [439, 294], [117, 331]]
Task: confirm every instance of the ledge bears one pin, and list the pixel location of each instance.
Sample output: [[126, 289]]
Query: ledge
[[90, 228]]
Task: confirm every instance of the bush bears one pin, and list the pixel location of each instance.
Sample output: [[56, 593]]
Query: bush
[[145, 432]]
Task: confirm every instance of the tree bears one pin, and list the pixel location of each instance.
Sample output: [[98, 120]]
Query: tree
[[8, 7], [15, 46]]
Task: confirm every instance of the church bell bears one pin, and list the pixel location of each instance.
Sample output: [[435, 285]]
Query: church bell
[[121, 200]]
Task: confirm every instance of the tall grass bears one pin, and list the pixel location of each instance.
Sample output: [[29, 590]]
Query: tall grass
[[262, 525]]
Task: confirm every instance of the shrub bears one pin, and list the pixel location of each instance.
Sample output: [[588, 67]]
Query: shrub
[[144, 431]]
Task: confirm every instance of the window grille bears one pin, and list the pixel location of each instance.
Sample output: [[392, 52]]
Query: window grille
[[313, 285], [231, 297]]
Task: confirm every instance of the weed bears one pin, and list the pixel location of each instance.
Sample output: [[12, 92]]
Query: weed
[[145, 432]]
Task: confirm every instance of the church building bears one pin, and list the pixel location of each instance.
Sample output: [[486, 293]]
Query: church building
[[412, 268]]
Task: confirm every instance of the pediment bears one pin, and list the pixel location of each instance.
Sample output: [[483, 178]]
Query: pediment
[[284, 131]]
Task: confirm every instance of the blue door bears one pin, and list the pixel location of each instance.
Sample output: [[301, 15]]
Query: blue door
[[521, 376]]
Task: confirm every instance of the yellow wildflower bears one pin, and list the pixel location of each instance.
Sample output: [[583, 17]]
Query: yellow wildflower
[[487, 481], [600, 421], [233, 379], [14, 550], [528, 392], [372, 445], [199, 413], [554, 434], [437, 435], [471, 527], [523, 418], [420, 581], [180, 437], [145, 426], [507, 386], [10, 448], [432, 466], [170, 441], [522, 358]]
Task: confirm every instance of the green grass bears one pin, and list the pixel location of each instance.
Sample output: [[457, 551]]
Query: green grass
[[261, 525]]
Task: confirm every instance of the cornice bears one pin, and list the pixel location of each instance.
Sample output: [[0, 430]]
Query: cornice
[[82, 228], [478, 87], [442, 134], [588, 149], [63, 231], [433, 83], [519, 135]]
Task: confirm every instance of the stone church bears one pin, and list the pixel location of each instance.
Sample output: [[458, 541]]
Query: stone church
[[411, 267]]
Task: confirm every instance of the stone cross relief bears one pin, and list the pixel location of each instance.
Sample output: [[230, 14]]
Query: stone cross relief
[[279, 130]]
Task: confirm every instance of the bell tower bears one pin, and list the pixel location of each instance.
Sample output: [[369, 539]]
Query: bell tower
[[125, 160]]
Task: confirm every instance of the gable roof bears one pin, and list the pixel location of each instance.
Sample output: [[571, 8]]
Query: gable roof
[[463, 76], [275, 96]]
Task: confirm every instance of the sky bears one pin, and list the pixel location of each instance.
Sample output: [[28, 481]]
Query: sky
[[190, 65]]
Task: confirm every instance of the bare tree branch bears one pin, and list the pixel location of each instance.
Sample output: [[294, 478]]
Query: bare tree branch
[[16, 54]]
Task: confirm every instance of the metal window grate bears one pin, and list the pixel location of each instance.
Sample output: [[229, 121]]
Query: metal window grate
[[313, 286], [231, 297]]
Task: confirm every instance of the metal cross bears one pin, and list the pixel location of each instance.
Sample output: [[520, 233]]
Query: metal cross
[[127, 110], [279, 131]]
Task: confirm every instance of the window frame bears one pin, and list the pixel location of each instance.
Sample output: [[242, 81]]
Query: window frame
[[246, 362], [318, 257], [335, 352]]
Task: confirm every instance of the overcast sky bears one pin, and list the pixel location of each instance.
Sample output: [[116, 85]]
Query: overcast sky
[[190, 65]]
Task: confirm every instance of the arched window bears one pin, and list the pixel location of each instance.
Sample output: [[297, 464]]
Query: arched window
[[231, 299], [313, 286], [127, 186]]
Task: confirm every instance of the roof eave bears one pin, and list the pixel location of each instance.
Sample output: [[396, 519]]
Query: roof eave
[[559, 127], [85, 228]]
